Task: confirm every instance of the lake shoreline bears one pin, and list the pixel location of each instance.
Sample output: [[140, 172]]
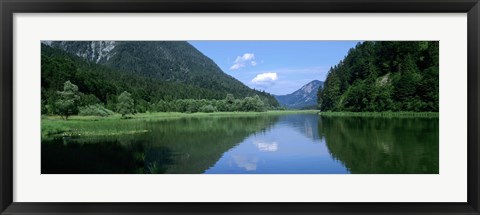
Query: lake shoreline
[[282, 142], [382, 114], [166, 115], [54, 126]]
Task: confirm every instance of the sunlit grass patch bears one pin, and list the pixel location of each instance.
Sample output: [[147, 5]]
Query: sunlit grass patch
[[90, 127]]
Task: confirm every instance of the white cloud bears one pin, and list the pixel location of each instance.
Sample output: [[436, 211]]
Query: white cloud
[[248, 56], [265, 79], [242, 61], [235, 67]]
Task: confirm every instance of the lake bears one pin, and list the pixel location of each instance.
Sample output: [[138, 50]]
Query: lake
[[269, 144]]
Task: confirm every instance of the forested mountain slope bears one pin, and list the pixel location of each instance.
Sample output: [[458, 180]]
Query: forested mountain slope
[[151, 71], [173, 61], [384, 76]]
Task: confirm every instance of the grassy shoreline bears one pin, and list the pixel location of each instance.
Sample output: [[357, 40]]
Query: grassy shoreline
[[54, 126], [169, 115], [75, 126], [382, 114]]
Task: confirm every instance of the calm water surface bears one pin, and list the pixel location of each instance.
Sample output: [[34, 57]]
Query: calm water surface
[[296, 143]]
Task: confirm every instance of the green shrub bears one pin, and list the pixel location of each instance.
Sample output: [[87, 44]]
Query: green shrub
[[94, 110], [208, 109]]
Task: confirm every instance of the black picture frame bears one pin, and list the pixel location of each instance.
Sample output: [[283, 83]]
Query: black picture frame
[[9, 7]]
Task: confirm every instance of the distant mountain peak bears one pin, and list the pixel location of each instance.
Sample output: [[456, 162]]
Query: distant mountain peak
[[304, 97], [310, 87]]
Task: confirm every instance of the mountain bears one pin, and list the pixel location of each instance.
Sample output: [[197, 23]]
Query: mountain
[[151, 70], [304, 97], [384, 76]]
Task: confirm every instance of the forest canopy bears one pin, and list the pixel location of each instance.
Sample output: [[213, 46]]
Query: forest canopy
[[384, 76]]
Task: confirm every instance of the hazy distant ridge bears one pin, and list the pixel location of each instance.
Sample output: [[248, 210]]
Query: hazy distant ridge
[[304, 97]]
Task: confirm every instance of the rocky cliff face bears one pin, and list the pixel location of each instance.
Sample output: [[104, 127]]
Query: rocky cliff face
[[304, 97], [95, 51]]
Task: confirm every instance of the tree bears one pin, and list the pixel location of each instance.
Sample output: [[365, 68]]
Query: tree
[[229, 101], [252, 104], [125, 104], [67, 104], [331, 92]]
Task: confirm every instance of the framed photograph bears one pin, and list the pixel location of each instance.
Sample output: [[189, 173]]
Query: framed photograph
[[239, 107]]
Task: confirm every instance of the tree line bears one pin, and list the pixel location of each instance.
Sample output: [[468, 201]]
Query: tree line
[[384, 76], [71, 101]]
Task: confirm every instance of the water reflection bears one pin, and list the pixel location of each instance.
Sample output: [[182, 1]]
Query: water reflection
[[266, 146], [383, 145], [189, 145], [245, 162], [292, 146], [297, 143], [69, 156]]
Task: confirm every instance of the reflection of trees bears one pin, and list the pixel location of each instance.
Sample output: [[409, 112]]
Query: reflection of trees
[[69, 156], [197, 143], [383, 145], [188, 145]]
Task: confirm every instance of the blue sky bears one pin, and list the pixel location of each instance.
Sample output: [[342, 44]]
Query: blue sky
[[278, 67]]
